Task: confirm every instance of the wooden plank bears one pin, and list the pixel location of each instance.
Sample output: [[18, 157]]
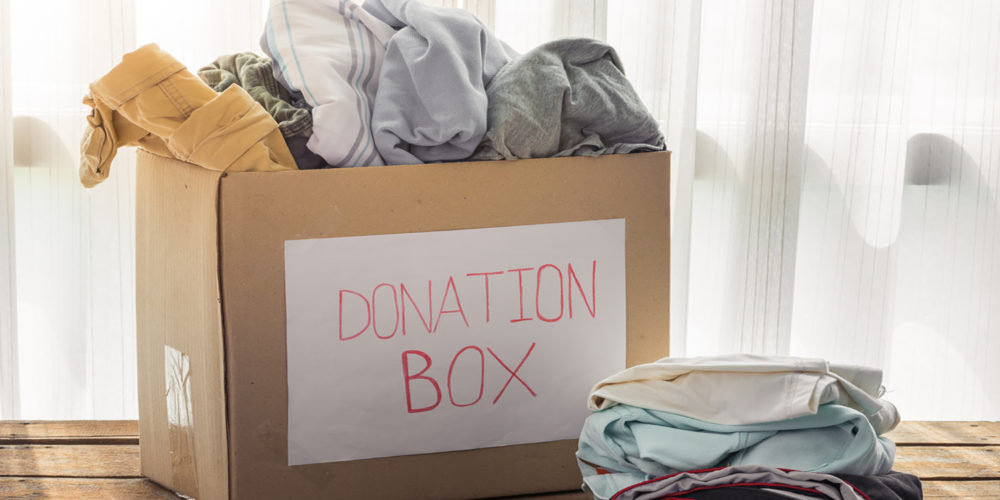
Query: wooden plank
[[85, 488], [11, 429], [121, 440], [70, 460], [949, 462], [962, 489], [950, 433], [69, 432]]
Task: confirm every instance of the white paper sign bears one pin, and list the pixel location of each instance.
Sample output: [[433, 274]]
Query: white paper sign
[[427, 342]]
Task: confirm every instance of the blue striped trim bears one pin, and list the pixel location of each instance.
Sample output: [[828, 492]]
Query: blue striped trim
[[366, 115], [273, 52], [359, 133], [291, 46]]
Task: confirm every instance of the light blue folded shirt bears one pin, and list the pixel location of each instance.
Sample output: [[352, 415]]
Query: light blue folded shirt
[[634, 444]]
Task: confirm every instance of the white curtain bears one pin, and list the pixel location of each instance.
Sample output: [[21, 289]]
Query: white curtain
[[898, 238], [9, 387], [835, 170], [75, 252], [845, 196]]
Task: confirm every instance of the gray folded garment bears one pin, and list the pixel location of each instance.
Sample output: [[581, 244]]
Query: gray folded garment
[[567, 97], [431, 101], [779, 480]]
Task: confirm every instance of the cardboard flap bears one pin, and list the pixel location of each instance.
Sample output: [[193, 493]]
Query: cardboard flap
[[182, 427]]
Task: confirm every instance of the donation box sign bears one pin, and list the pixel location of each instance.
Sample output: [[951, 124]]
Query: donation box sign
[[403, 344]]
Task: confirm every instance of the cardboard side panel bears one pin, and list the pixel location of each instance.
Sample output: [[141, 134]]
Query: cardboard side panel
[[182, 427], [260, 211]]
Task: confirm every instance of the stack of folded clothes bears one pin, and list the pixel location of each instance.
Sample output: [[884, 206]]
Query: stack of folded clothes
[[351, 83], [742, 426]]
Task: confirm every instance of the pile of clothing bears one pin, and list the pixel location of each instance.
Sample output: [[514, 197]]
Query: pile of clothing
[[384, 82], [742, 426]]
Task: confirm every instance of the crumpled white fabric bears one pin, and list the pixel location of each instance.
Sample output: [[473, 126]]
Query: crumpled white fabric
[[331, 51], [743, 389]]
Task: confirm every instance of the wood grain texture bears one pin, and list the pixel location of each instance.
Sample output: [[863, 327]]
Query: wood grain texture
[[954, 460], [69, 432], [949, 462], [15, 429], [70, 460], [82, 488], [949, 433], [962, 489]]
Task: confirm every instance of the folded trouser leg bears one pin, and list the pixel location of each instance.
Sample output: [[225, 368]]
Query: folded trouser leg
[[106, 132], [151, 100], [231, 133]]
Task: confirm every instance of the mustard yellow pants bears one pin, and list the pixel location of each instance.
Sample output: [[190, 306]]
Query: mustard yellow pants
[[151, 100]]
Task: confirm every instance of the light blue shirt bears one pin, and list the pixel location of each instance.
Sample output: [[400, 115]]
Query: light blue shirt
[[636, 444]]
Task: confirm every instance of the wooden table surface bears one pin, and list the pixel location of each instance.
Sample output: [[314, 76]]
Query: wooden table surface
[[100, 459]]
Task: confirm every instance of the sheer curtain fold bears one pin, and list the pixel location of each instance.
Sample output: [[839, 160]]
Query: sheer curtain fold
[[899, 200], [872, 238], [752, 89], [75, 248], [75, 291], [659, 44], [835, 183], [9, 384]]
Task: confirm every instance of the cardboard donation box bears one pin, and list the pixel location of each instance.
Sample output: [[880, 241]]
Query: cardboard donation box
[[427, 331]]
